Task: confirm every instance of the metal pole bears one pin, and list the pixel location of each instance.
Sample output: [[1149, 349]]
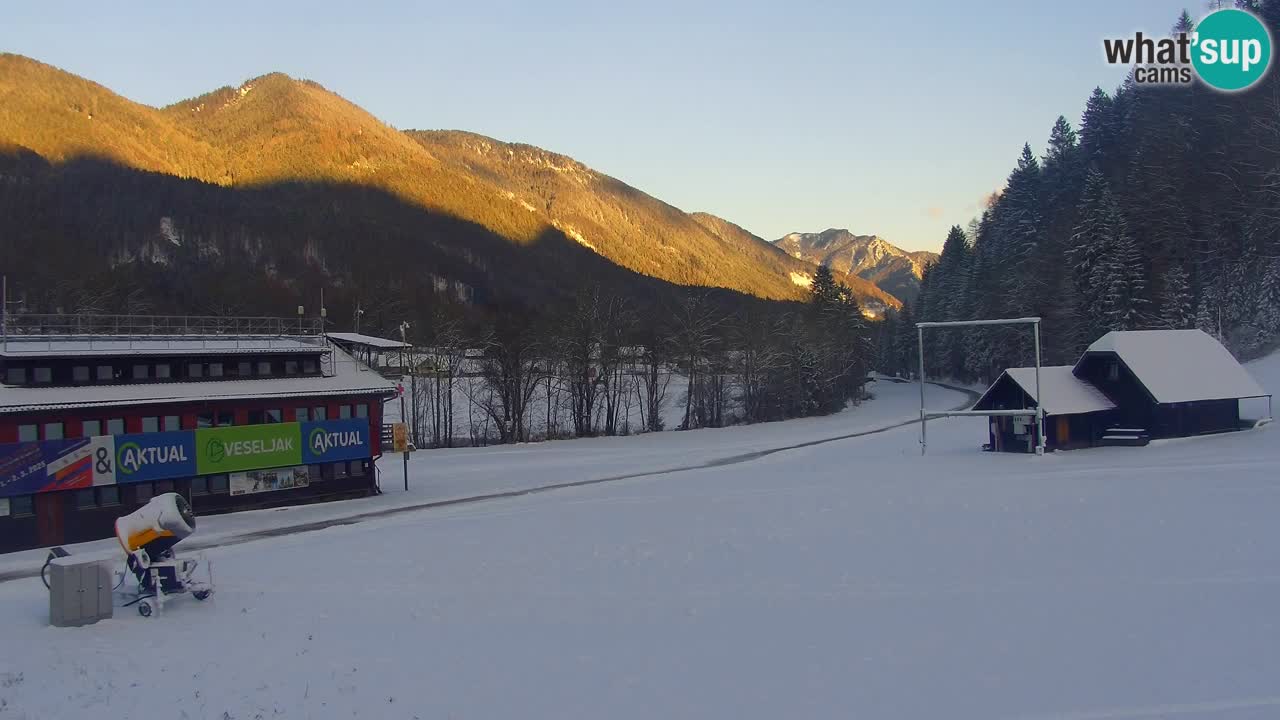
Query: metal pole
[[924, 430], [1039, 395], [406, 450]]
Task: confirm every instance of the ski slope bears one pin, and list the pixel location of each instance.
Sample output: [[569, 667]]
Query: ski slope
[[853, 578]]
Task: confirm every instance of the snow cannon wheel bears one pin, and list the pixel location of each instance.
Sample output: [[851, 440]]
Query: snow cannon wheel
[[144, 609], [202, 594]]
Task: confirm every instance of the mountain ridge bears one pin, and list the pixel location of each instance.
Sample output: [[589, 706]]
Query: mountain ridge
[[276, 129], [868, 257]]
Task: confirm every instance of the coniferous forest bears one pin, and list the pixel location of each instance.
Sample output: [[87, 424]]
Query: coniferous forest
[[1159, 209]]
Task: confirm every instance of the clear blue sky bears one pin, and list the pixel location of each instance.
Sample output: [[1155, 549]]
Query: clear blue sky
[[894, 118]]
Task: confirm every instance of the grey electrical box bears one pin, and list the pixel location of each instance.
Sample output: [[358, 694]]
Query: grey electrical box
[[79, 592]]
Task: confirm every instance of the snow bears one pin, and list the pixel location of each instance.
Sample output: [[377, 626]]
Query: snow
[[370, 340], [1180, 365], [1065, 394], [349, 378], [853, 578]]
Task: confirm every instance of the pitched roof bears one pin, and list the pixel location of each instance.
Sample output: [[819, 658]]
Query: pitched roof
[[349, 378], [1064, 393], [369, 340], [1179, 365]]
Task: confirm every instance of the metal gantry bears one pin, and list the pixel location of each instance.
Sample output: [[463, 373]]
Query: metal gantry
[[926, 414]]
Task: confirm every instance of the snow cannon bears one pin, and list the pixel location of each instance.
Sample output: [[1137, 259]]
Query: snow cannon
[[147, 536]]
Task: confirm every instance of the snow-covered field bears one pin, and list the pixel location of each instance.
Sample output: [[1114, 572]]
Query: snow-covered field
[[853, 578]]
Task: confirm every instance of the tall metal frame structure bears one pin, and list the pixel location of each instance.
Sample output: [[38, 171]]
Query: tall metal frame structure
[[926, 414]]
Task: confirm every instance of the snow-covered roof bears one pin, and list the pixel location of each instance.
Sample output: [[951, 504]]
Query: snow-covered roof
[[35, 346], [1064, 393], [370, 340], [350, 377], [1180, 365]]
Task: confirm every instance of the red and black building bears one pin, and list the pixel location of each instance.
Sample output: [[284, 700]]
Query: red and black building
[[245, 414]]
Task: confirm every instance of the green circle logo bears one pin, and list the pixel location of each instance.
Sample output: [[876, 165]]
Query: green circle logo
[[1231, 50]]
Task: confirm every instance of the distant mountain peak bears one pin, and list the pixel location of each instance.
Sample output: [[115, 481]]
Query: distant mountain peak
[[870, 257]]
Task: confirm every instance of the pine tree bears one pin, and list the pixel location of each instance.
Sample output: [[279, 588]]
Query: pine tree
[[1269, 300], [1176, 309]]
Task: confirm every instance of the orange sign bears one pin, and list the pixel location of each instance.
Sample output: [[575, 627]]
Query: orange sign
[[400, 437]]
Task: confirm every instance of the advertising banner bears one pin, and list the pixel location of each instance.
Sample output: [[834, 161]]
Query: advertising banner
[[154, 456], [257, 481], [33, 467], [247, 447], [335, 440]]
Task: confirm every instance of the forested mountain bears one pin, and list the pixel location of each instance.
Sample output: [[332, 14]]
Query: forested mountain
[[1161, 211], [866, 257], [278, 187]]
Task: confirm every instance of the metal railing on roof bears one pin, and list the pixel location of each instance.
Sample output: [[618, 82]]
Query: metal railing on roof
[[20, 324]]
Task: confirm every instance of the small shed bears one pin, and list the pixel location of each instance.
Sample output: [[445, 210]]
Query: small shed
[[1169, 383], [1076, 413]]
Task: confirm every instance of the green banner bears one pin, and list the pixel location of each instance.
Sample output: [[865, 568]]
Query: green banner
[[248, 447]]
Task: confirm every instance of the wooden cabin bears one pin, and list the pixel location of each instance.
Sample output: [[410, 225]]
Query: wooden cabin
[[1128, 388]]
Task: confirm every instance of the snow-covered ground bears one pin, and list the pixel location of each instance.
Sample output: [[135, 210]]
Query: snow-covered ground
[[853, 578]]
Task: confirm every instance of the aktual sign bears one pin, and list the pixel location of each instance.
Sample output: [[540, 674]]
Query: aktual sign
[[155, 456], [335, 440], [35, 467], [247, 447]]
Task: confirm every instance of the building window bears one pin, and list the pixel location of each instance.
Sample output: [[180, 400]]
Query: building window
[[141, 372], [309, 366], [108, 495], [264, 367], [226, 418], [362, 411], [54, 431], [320, 413], [204, 420], [301, 414], [344, 412], [28, 433], [244, 368], [357, 468], [91, 428], [44, 375], [275, 415], [199, 486], [21, 505], [15, 376], [80, 374], [314, 473], [215, 369], [142, 492], [164, 371], [218, 484], [115, 426], [339, 470], [84, 499], [172, 423], [256, 417], [290, 367], [1113, 371], [195, 370], [106, 373], [150, 424]]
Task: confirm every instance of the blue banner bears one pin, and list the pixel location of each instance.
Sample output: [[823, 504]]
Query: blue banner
[[335, 440], [33, 467], [155, 456]]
